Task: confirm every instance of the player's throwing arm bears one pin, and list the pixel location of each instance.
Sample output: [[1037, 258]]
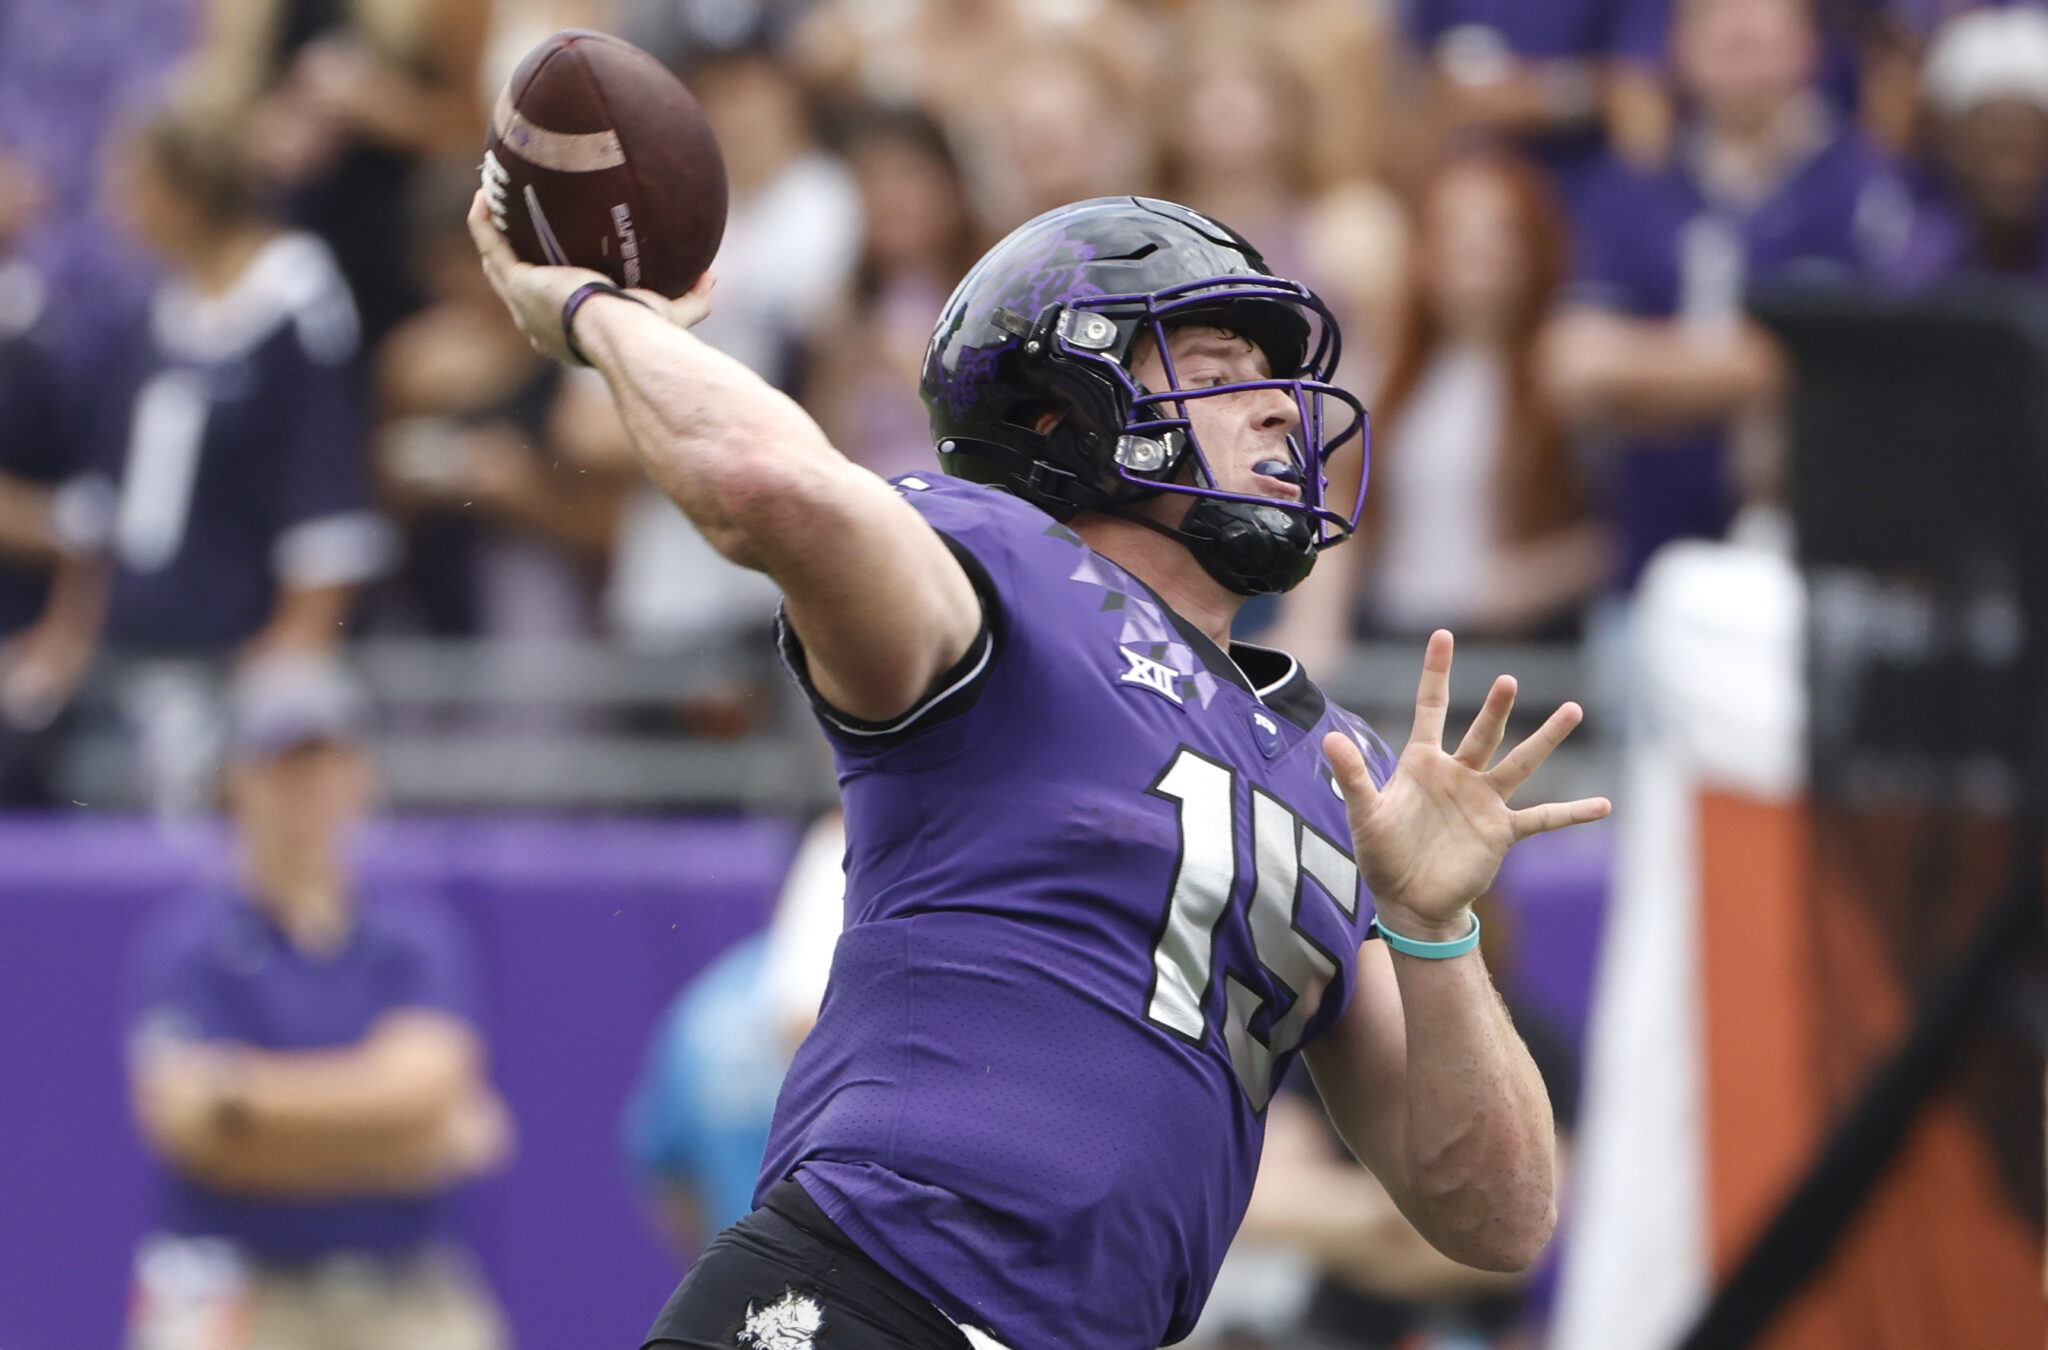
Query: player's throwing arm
[[881, 605]]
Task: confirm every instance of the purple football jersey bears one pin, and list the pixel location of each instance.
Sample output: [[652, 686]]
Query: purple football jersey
[[1099, 890]]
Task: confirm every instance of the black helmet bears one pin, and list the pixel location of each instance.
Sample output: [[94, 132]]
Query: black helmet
[[1047, 321]]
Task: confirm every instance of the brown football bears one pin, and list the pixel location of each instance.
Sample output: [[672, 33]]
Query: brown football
[[599, 157]]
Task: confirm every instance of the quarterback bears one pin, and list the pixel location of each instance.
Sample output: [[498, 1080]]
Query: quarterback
[[1108, 872]]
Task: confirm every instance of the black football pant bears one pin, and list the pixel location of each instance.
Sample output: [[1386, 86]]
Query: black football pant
[[786, 1278]]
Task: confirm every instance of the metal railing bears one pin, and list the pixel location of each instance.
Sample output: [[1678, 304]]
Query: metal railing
[[603, 727]]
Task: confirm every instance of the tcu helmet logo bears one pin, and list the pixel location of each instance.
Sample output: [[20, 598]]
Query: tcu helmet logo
[[496, 181]]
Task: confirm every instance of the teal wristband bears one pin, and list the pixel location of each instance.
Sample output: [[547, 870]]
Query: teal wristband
[[1429, 951]]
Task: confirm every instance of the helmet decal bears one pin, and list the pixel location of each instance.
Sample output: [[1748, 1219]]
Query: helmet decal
[[1050, 317], [1049, 275], [974, 374], [1052, 277]]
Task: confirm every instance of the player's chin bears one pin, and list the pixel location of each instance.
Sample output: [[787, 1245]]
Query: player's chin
[[1275, 491]]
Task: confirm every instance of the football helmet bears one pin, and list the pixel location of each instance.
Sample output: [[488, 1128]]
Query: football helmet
[[1048, 320]]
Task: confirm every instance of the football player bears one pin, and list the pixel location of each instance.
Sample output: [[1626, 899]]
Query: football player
[[1108, 872]]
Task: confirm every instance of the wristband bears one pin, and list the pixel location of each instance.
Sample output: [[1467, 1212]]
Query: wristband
[[576, 301], [1429, 951]]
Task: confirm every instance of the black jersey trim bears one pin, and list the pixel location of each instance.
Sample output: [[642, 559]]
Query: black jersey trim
[[1293, 695], [956, 689], [1272, 687]]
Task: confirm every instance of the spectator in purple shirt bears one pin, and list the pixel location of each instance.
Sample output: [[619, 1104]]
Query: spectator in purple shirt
[[237, 428], [227, 455], [305, 1066], [68, 70], [1986, 84], [38, 450], [1558, 79], [1655, 352]]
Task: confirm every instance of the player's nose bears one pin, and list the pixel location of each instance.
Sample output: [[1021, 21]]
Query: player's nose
[[1274, 410]]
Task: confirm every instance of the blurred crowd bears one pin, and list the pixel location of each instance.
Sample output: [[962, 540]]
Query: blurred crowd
[[255, 397]]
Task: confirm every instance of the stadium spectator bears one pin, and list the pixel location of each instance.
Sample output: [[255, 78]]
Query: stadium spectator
[[1986, 83], [1559, 79], [508, 529], [236, 443], [39, 659], [1055, 123], [230, 447], [1766, 186], [1477, 517], [1347, 55], [68, 74], [697, 1122], [677, 32], [1878, 49], [790, 245], [945, 55], [918, 237], [1235, 128], [340, 100], [305, 1066]]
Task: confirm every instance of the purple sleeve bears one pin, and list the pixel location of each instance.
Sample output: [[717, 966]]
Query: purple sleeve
[[974, 524], [324, 530], [173, 987], [432, 963], [1609, 244], [326, 472]]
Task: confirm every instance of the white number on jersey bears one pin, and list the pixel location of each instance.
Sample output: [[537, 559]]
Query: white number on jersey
[[1285, 851]]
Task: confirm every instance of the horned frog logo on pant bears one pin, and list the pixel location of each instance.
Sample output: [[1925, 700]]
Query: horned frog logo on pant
[[789, 1323]]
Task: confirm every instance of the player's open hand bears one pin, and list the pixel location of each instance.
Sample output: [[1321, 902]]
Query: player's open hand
[[1431, 840], [535, 295]]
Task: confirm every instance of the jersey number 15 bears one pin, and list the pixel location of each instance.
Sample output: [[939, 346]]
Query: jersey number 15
[[1286, 850]]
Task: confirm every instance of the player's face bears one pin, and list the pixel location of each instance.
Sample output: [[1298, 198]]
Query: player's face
[[1244, 434]]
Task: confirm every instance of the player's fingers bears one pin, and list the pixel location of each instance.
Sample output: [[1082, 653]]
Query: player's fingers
[[1433, 695], [1347, 761], [1483, 737], [490, 245], [1526, 758], [698, 298], [687, 310], [1556, 815]]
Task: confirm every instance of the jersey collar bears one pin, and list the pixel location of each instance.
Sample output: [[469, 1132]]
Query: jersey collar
[[1268, 675]]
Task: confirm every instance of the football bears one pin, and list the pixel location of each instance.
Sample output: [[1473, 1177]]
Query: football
[[598, 157]]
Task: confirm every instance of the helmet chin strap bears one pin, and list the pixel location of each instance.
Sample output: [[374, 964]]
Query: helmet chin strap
[[1248, 547]]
